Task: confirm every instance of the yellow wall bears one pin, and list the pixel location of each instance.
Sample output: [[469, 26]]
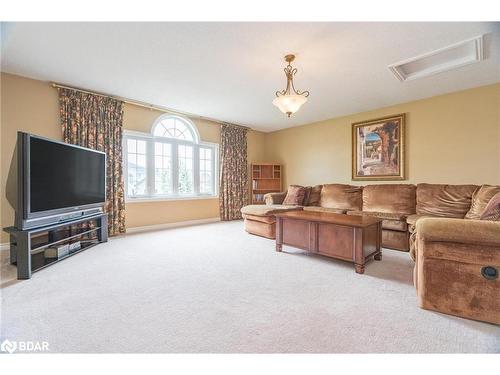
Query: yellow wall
[[453, 138], [32, 106], [29, 106]]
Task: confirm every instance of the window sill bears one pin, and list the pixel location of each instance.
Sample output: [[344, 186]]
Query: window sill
[[161, 199]]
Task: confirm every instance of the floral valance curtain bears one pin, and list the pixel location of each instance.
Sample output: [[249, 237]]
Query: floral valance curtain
[[233, 186], [96, 122]]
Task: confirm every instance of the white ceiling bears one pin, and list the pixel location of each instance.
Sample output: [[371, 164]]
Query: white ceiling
[[230, 71]]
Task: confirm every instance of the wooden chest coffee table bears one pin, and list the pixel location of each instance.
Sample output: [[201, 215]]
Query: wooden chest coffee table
[[352, 238]]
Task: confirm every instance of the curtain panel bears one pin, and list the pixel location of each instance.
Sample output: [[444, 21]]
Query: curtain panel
[[233, 186], [96, 122]]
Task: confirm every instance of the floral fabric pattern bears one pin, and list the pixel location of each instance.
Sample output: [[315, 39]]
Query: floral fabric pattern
[[96, 122], [492, 210], [233, 185]]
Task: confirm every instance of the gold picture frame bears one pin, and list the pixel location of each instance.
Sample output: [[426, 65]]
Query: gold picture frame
[[378, 149]]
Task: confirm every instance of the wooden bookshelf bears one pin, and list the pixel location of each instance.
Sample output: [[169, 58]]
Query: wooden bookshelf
[[265, 178]]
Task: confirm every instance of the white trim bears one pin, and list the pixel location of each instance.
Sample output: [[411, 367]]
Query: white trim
[[476, 54], [177, 224], [150, 139], [189, 123], [136, 133], [149, 228], [169, 199]]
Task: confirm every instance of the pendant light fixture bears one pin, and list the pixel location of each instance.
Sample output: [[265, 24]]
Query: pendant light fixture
[[290, 100]]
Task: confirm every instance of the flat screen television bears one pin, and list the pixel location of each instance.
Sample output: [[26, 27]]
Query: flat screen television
[[57, 181]]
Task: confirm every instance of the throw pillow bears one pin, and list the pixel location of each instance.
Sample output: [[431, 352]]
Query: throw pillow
[[480, 199], [492, 210], [307, 195], [295, 196], [312, 199]]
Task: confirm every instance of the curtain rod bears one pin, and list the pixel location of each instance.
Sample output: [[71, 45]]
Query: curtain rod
[[145, 105]]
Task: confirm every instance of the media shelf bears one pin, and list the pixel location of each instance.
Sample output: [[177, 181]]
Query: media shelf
[[265, 178], [28, 247]]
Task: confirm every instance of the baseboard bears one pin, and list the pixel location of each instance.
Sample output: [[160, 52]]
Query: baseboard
[[178, 224], [148, 228]]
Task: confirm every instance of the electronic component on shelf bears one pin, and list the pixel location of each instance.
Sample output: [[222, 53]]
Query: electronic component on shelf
[[75, 246], [57, 251]]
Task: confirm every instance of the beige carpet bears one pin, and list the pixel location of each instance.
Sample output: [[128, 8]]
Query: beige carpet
[[214, 288]]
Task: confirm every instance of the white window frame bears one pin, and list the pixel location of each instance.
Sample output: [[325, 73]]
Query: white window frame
[[150, 140]]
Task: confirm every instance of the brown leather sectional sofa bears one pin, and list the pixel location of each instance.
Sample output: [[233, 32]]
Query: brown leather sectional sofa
[[457, 255], [399, 205]]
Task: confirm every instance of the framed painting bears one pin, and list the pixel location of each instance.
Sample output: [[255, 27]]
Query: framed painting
[[378, 149]]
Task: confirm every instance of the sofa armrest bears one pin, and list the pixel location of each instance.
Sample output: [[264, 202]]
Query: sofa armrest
[[274, 198], [473, 232]]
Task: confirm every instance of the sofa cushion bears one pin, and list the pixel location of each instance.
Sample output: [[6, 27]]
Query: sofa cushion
[[295, 196], [258, 228], [412, 219], [492, 210], [341, 196], [444, 200], [274, 198], [270, 219], [392, 221], [324, 209], [390, 198], [265, 210], [480, 199], [307, 194], [395, 239], [313, 196]]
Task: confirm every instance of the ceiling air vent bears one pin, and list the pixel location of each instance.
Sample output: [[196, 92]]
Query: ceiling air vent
[[451, 57]]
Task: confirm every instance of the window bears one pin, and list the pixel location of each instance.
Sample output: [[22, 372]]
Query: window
[[186, 177], [170, 162], [173, 127], [136, 171], [206, 171], [163, 168]]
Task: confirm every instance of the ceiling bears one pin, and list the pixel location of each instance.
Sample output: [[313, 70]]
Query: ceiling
[[230, 71]]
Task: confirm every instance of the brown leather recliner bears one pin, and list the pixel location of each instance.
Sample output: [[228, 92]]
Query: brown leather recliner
[[457, 266]]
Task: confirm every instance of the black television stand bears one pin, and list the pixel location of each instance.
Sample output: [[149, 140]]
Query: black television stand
[[27, 247]]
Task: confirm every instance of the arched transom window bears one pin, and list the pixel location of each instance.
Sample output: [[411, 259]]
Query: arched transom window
[[170, 162], [175, 127]]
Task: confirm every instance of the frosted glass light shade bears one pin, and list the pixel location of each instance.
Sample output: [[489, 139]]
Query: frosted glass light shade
[[289, 103]]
